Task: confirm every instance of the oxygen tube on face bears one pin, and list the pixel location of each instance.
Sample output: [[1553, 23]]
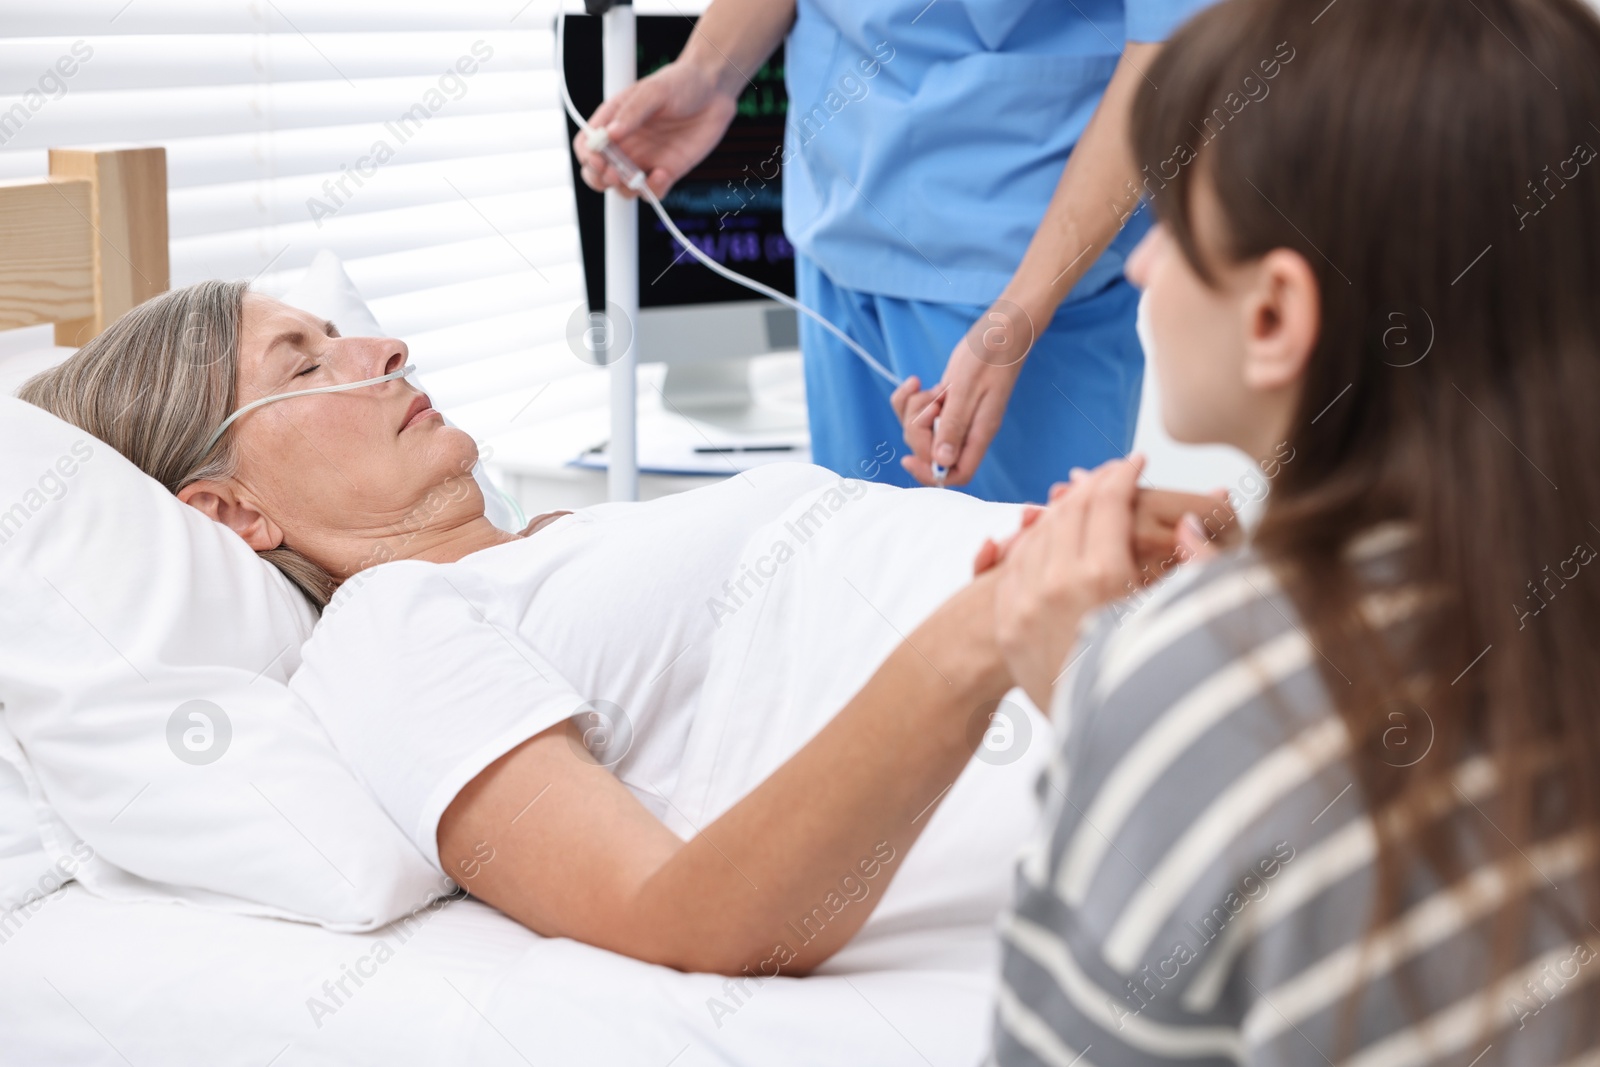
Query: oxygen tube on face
[[409, 368]]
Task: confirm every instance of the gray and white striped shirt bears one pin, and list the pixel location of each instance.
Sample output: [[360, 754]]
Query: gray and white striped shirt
[[1199, 888]]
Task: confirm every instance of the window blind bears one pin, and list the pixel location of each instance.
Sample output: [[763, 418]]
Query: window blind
[[420, 141]]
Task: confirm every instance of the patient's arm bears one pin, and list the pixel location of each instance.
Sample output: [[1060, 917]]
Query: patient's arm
[[586, 860]]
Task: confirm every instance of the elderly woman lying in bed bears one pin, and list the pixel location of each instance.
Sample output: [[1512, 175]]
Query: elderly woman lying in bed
[[450, 672]]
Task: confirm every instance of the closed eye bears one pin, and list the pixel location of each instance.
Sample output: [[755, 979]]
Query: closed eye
[[308, 370]]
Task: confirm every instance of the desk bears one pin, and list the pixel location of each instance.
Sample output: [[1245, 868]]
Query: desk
[[534, 461]]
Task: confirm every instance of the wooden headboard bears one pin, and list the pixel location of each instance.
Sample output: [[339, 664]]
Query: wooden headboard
[[85, 244]]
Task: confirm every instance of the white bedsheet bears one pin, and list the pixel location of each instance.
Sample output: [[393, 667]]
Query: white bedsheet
[[90, 981]]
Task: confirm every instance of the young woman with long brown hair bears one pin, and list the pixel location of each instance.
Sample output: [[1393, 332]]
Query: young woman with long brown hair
[[1334, 796]]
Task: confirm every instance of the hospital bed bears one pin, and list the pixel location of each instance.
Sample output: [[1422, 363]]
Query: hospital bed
[[143, 977]]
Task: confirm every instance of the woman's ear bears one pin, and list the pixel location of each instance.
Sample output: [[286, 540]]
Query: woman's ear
[[1282, 317], [219, 501]]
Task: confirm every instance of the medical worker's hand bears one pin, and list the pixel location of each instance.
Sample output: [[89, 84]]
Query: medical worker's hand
[[1075, 556], [666, 123], [971, 398]]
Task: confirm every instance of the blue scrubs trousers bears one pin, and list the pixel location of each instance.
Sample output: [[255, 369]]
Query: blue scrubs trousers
[[1074, 405]]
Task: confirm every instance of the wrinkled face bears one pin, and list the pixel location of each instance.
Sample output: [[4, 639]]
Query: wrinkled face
[[372, 461], [1197, 331]]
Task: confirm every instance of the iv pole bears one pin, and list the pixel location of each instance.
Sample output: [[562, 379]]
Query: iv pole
[[620, 70]]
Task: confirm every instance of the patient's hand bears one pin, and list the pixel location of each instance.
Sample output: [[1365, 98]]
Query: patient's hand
[[1161, 538]]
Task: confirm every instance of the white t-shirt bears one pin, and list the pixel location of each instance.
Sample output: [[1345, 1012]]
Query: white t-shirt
[[786, 585]]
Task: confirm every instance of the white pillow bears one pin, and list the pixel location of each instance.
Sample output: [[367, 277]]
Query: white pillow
[[26, 870], [24, 865], [28, 875], [143, 654], [325, 289], [29, 868]]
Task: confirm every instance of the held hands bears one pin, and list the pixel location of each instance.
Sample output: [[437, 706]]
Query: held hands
[[1169, 528], [1100, 539], [666, 123]]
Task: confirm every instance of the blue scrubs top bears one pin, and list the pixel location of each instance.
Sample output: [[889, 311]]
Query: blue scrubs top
[[925, 139]]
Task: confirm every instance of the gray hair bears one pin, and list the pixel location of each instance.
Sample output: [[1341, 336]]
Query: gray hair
[[155, 384]]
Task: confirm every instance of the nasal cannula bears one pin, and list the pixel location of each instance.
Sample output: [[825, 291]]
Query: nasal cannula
[[634, 178], [409, 368]]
